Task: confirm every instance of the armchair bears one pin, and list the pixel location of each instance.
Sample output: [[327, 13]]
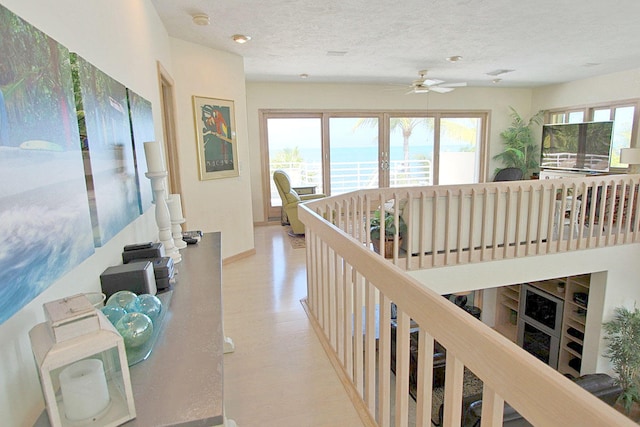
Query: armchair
[[291, 199]]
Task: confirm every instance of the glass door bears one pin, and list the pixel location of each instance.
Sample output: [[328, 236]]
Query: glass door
[[353, 153], [411, 151], [295, 146], [459, 150]]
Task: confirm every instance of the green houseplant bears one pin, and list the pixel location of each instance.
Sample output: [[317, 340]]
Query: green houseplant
[[390, 231], [623, 336], [520, 149]]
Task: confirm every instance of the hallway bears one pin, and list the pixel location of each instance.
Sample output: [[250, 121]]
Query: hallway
[[279, 375]]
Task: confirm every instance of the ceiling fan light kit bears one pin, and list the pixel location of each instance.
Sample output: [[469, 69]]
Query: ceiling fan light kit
[[425, 85]]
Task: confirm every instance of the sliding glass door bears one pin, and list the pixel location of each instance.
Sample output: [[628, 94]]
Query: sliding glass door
[[336, 153], [354, 146]]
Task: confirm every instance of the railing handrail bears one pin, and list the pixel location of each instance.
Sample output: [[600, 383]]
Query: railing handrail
[[547, 399]]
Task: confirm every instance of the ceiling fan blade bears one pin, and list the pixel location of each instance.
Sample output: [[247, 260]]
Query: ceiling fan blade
[[432, 82], [441, 89], [459, 84]]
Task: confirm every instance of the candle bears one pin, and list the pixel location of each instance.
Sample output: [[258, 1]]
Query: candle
[[175, 206], [153, 153], [84, 389]]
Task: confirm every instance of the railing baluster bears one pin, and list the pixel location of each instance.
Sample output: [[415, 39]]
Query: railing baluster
[[472, 225], [496, 205], [492, 408], [350, 320], [435, 231], [358, 334], [447, 228], [370, 347], [424, 395], [402, 369], [460, 226], [453, 381], [332, 287], [384, 363]]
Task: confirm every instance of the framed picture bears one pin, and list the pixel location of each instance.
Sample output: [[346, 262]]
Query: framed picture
[[215, 137]]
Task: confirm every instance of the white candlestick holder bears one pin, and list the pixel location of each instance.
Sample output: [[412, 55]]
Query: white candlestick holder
[[177, 218], [163, 219]]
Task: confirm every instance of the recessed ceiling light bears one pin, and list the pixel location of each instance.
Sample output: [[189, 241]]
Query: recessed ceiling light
[[454, 58], [201, 19], [240, 38], [304, 76]]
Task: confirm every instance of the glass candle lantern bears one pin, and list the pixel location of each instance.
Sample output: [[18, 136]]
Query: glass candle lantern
[[82, 366]]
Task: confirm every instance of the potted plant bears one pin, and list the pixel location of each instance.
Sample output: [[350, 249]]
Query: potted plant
[[623, 336], [520, 149], [375, 226]]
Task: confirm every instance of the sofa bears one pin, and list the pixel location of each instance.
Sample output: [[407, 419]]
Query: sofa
[[600, 385], [439, 359]]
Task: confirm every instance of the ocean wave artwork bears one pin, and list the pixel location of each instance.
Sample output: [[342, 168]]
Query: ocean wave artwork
[[45, 224]]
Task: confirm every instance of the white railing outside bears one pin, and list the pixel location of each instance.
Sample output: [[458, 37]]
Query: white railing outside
[[352, 176], [350, 290]]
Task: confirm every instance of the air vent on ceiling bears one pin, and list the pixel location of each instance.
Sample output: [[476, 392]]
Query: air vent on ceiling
[[498, 72]]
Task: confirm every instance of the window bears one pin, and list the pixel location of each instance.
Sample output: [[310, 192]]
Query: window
[[339, 152], [625, 118]]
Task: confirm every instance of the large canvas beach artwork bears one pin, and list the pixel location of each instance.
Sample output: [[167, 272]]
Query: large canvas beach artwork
[[105, 135], [45, 226], [141, 117]]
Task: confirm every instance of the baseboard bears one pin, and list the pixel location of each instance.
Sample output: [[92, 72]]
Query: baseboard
[[358, 403], [239, 256]]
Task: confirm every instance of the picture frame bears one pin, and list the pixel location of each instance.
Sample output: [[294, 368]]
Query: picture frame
[[215, 137]]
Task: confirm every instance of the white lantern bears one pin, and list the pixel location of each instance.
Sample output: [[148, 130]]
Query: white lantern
[[82, 366]]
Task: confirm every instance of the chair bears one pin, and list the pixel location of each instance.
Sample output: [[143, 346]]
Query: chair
[[508, 174], [291, 199], [600, 385]]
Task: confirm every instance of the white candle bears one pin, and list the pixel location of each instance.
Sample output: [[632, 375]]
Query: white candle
[[175, 206], [84, 389], [153, 153]]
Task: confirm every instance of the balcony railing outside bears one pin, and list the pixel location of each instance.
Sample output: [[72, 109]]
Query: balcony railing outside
[[352, 176], [350, 290]]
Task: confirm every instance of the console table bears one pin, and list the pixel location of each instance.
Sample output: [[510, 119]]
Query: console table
[[181, 383]]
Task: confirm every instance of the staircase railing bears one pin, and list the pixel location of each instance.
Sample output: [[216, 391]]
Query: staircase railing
[[351, 290]]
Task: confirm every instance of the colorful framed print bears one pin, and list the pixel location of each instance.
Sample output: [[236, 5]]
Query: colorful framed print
[[215, 137]]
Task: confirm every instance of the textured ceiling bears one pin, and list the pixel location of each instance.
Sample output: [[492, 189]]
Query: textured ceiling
[[377, 41]]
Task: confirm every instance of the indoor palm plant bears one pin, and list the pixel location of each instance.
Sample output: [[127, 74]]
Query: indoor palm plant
[[390, 231], [623, 336], [520, 149]]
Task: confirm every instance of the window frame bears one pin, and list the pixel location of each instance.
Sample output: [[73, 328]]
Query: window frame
[[588, 112], [383, 137]]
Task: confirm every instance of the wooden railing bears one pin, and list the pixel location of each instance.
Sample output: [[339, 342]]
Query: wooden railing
[[351, 290]]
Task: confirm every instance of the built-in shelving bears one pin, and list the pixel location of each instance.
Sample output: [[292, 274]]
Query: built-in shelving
[[508, 305], [574, 316], [573, 324]]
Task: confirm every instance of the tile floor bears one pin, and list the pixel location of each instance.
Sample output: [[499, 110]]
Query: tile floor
[[279, 374]]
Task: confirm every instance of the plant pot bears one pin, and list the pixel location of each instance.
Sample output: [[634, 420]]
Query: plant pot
[[633, 414], [388, 246]]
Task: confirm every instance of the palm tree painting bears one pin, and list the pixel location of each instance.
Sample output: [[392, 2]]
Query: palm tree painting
[[45, 228]]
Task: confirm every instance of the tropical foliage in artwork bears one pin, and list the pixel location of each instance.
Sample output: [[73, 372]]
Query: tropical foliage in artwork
[[44, 211]]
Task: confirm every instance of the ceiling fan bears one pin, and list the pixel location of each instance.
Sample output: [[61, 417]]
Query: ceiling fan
[[424, 85]]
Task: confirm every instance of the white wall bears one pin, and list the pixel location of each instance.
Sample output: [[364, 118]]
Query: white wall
[[217, 204], [124, 39], [311, 96]]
